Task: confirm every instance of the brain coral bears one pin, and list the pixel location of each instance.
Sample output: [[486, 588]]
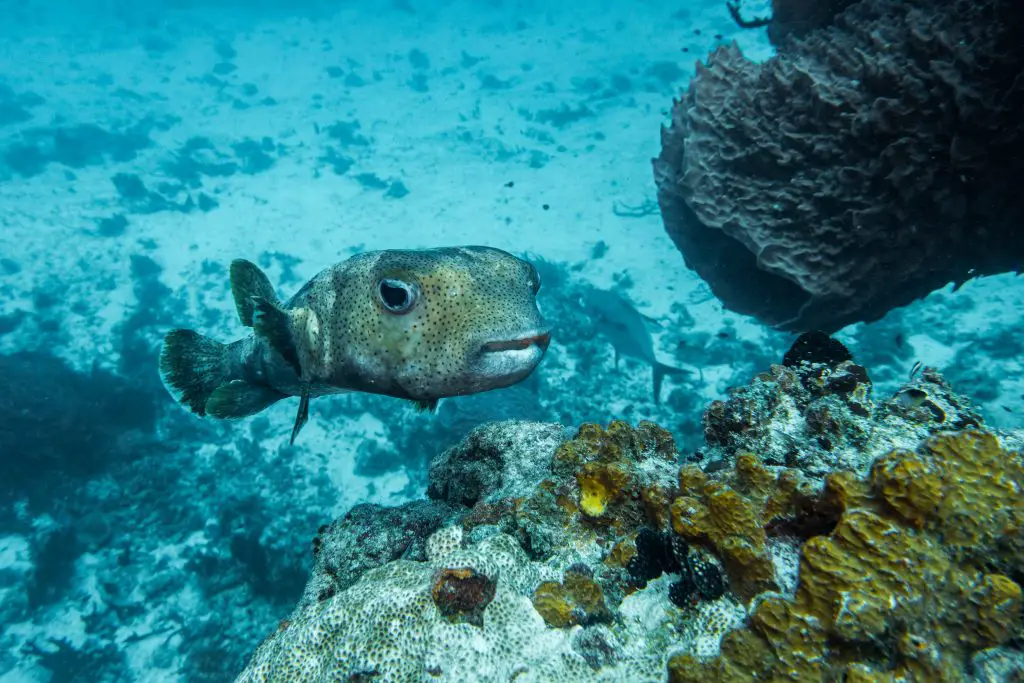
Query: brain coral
[[872, 161]]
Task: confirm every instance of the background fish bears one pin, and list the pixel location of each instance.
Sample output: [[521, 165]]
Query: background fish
[[419, 325], [617, 319]]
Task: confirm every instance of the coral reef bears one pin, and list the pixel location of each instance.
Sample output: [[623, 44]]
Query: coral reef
[[897, 590], [894, 554], [941, 489], [76, 146], [657, 553], [819, 417], [485, 465], [14, 107], [577, 599], [367, 537], [869, 163], [521, 564]]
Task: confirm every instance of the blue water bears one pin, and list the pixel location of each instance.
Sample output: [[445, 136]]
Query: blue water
[[143, 146]]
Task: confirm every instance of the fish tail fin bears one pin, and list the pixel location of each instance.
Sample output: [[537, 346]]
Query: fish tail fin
[[660, 370], [192, 367], [194, 371]]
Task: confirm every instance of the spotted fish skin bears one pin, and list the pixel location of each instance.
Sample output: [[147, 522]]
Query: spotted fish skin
[[414, 324]]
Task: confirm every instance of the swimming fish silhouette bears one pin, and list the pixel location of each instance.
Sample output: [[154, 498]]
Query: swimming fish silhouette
[[617, 319]]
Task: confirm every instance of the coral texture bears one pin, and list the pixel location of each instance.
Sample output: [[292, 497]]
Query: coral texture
[[529, 582], [909, 583], [819, 417], [893, 555], [798, 17], [872, 161]]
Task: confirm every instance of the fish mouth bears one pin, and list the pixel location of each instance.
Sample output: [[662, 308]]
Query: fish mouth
[[541, 339]]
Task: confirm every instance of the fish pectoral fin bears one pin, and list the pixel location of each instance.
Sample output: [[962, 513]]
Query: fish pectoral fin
[[274, 324], [238, 398], [249, 282], [302, 417], [426, 406], [653, 321]]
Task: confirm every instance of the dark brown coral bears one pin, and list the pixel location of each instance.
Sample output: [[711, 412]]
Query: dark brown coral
[[462, 594], [873, 160], [798, 17]]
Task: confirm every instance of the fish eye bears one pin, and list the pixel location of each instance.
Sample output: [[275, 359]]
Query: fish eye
[[534, 280], [397, 296]]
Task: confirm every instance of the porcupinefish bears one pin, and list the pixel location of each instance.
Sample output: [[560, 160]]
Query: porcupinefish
[[414, 324], [617, 320]]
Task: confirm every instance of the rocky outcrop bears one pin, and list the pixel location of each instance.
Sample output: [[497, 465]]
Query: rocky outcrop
[[820, 535]]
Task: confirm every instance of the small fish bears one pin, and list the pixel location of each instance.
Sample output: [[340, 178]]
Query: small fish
[[626, 328], [414, 324], [914, 370]]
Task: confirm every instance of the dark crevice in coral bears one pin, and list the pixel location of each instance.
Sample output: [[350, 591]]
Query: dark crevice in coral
[[817, 523], [660, 553], [816, 347]]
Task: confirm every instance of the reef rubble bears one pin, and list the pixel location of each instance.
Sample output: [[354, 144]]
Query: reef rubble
[[821, 534]]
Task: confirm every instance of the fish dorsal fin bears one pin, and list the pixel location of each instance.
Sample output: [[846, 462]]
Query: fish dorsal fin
[[273, 323], [247, 282], [426, 406]]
